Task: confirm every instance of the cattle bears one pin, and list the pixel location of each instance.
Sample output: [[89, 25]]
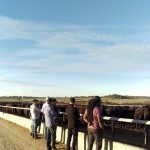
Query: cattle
[[8, 109], [62, 118], [107, 111], [142, 113], [130, 112], [26, 111], [20, 112], [118, 112], [15, 110], [81, 109]]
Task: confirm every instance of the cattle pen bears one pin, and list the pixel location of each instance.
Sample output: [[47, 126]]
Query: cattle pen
[[83, 137]]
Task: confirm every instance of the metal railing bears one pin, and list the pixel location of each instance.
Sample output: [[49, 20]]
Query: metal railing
[[112, 119]]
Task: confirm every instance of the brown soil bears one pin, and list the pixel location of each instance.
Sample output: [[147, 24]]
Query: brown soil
[[14, 137]]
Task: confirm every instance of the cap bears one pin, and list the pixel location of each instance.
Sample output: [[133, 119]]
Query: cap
[[47, 97]]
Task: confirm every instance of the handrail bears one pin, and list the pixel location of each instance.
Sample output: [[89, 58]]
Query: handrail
[[14, 107], [112, 119], [146, 122]]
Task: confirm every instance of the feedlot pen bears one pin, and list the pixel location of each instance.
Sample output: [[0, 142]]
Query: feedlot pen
[[113, 133]]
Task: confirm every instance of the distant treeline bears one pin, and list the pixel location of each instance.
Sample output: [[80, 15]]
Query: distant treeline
[[113, 96], [116, 96]]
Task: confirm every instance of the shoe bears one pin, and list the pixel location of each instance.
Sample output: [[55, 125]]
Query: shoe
[[49, 148], [35, 136], [30, 133], [54, 148]]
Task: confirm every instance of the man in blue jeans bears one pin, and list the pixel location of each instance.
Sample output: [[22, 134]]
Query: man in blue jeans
[[49, 115], [35, 116]]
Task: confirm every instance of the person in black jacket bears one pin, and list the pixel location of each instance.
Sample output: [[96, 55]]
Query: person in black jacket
[[53, 105], [73, 117]]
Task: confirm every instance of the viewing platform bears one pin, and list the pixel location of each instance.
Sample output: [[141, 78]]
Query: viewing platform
[[17, 138]]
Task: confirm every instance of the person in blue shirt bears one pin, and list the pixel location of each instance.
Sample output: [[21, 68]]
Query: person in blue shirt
[[49, 115]]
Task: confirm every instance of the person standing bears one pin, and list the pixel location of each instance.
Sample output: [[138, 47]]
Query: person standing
[[54, 102], [73, 117], [93, 117], [49, 115], [45, 104], [35, 116], [43, 118]]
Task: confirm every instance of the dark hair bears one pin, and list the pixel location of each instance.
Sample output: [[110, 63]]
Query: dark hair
[[72, 99], [49, 100], [35, 100], [91, 104], [54, 100]]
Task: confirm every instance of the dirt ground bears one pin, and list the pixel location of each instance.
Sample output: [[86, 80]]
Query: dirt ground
[[14, 137]]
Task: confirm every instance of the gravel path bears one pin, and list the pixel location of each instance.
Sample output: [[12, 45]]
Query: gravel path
[[14, 137]]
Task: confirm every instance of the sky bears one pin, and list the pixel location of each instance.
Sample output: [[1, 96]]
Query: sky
[[74, 47]]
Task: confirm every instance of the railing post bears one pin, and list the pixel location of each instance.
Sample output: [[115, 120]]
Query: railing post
[[146, 135], [64, 135], [77, 143], [113, 127], [62, 129], [85, 141]]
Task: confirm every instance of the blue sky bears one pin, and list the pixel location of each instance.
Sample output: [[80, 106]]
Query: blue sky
[[74, 48]]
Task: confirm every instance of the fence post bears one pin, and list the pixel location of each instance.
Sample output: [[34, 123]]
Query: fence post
[[77, 143], [113, 127], [85, 141], [64, 135], [61, 140], [146, 136]]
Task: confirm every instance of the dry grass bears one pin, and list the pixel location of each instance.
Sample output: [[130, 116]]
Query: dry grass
[[139, 101], [83, 100]]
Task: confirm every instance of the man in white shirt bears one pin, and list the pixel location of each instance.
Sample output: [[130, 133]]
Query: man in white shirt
[[45, 104], [35, 116], [48, 100]]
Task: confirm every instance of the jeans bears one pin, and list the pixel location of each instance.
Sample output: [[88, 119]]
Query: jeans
[[73, 132], [44, 130], [50, 137], [34, 126], [95, 135]]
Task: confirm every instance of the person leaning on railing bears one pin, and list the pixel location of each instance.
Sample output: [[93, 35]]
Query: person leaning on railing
[[53, 105], [93, 117], [49, 115], [35, 115], [73, 117], [43, 118]]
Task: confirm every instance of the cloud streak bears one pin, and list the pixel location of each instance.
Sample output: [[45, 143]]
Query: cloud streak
[[61, 52], [60, 48]]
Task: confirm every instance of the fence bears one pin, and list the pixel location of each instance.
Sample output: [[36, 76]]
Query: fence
[[112, 119]]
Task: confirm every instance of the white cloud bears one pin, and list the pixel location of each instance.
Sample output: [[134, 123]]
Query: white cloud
[[97, 51]]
